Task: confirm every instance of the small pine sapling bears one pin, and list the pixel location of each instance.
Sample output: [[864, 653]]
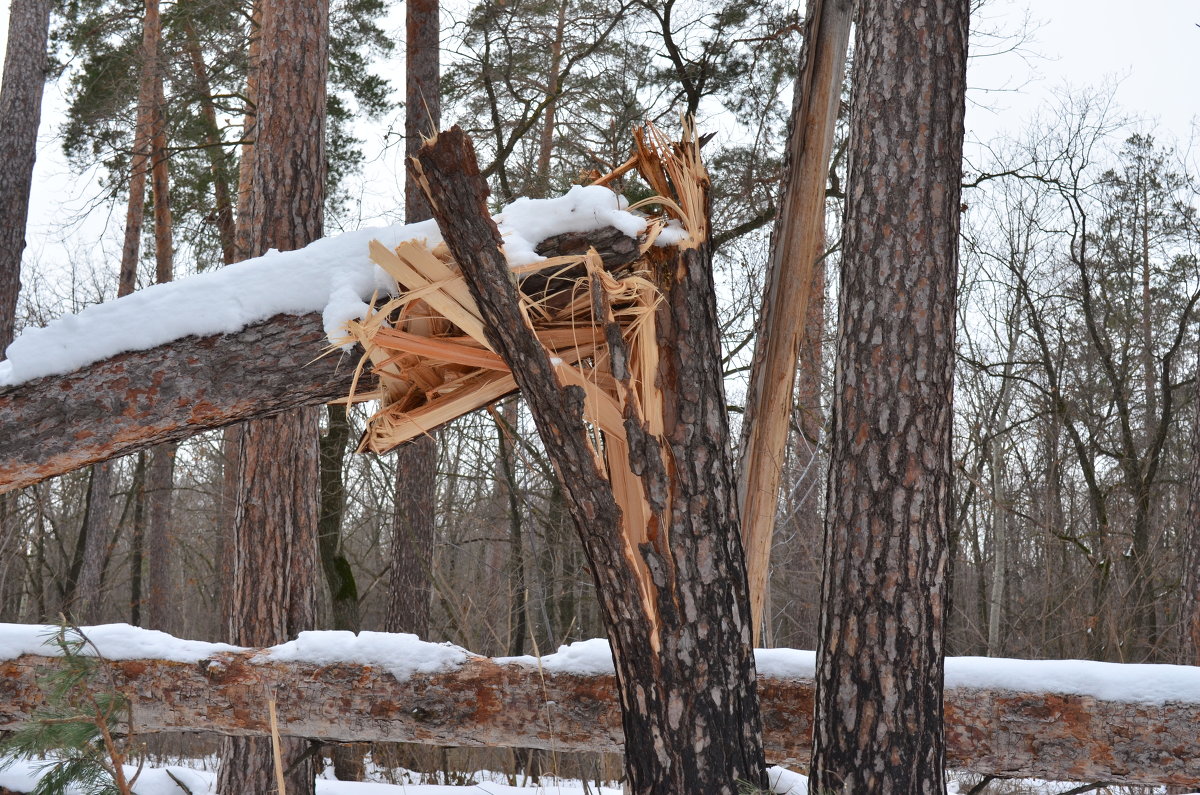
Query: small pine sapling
[[84, 734]]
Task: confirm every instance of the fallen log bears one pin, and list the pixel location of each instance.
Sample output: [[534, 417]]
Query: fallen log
[[136, 400], [497, 702]]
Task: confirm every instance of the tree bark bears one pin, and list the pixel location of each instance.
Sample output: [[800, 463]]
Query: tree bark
[[683, 659], [135, 400], [24, 80], [278, 478], [25, 70], [486, 702], [413, 520], [882, 629], [797, 246], [1190, 609]]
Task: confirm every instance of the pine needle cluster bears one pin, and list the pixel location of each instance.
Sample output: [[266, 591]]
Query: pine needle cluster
[[84, 734]]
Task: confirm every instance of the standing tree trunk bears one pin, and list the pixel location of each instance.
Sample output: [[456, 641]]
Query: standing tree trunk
[[98, 525], [797, 245], [880, 657], [274, 560], [25, 69], [160, 465], [681, 641], [413, 520], [1190, 641]]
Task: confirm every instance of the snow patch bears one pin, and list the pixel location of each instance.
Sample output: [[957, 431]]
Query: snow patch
[[1139, 683], [334, 276], [113, 641], [401, 655]]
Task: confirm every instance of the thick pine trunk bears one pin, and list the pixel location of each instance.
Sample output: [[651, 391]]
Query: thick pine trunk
[[278, 481], [685, 672], [879, 667], [25, 70], [796, 246]]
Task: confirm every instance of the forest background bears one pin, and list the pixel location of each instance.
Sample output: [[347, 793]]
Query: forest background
[[1071, 443]]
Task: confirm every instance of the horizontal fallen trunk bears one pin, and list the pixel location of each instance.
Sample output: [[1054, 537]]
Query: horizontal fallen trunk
[[136, 400], [488, 702]]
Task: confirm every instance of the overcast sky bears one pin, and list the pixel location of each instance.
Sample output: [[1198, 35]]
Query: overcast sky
[[1148, 53]]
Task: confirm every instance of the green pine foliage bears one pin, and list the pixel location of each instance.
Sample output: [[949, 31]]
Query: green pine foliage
[[83, 736], [98, 49]]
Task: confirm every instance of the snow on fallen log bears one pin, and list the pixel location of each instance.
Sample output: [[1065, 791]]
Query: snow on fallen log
[[1058, 720], [245, 341]]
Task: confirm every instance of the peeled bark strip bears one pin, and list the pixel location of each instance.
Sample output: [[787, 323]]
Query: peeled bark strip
[[883, 593], [491, 703], [685, 672], [796, 246]]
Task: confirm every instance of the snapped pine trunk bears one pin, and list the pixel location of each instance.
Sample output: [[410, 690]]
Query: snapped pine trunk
[[882, 629], [682, 642]]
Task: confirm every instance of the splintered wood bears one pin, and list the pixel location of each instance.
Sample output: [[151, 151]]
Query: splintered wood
[[434, 364]]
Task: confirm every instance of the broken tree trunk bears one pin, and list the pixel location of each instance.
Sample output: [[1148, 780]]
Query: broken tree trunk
[[796, 246], [136, 400], [488, 702], [665, 554]]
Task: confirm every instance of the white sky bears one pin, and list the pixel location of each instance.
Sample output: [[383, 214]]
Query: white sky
[[1149, 53]]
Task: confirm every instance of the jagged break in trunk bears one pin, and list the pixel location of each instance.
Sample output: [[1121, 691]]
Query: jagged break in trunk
[[681, 642]]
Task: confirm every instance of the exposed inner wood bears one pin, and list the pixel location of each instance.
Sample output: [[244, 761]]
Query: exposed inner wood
[[135, 400], [491, 703]]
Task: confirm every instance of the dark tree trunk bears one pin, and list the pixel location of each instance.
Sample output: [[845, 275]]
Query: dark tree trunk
[[25, 69], [160, 463], [682, 650], [82, 603], [413, 520], [1190, 640], [278, 480], [879, 665]]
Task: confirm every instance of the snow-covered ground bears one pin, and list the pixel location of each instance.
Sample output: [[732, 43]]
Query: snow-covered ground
[[22, 776]]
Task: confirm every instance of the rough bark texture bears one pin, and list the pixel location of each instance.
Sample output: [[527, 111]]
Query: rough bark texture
[[1190, 642], [413, 520], [489, 703], [135, 400], [798, 242], [879, 669], [685, 674], [413, 523], [278, 477], [95, 531], [25, 69]]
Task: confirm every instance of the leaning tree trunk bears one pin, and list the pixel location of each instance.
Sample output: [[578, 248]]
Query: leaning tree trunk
[[25, 69], [277, 477], [681, 642], [879, 665]]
